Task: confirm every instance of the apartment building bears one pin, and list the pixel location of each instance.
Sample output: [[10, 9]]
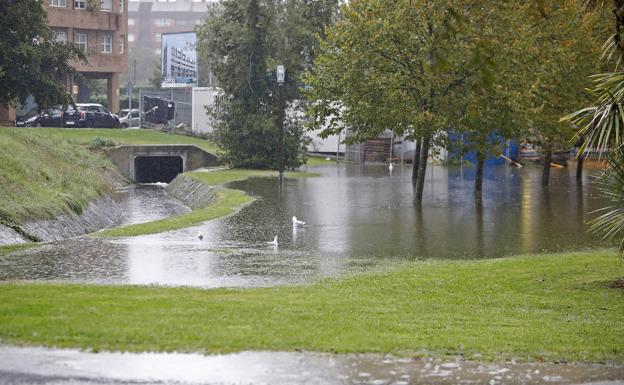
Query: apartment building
[[149, 19], [100, 28]]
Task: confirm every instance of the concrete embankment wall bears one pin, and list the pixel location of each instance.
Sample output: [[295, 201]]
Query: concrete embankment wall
[[100, 214], [191, 192]]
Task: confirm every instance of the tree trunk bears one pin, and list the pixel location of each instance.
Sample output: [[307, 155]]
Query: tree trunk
[[479, 176], [579, 168], [579, 161], [416, 160], [547, 162], [422, 169]]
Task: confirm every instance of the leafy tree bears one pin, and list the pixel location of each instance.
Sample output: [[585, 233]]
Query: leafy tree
[[32, 62], [489, 104], [397, 64], [565, 33], [243, 42]]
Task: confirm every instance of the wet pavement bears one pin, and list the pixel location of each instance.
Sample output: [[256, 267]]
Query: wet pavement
[[359, 216], [48, 366]]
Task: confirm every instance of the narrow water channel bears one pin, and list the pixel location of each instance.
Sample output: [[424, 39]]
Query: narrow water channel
[[359, 216]]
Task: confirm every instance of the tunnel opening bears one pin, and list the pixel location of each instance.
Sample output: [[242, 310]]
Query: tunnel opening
[[152, 169]]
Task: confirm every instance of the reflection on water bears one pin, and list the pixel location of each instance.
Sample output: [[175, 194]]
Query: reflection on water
[[148, 202], [358, 216]]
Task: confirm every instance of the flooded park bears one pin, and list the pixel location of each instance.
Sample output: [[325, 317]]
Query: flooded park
[[358, 217]]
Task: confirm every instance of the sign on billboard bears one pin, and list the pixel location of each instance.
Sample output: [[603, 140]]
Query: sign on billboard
[[179, 60]]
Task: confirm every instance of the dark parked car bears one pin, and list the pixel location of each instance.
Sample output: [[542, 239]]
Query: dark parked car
[[52, 117], [26, 119], [89, 115]]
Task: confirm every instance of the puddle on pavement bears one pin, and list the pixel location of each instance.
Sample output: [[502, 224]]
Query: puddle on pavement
[[359, 216], [41, 365]]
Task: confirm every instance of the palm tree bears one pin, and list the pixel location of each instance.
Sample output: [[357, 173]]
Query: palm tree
[[601, 126]]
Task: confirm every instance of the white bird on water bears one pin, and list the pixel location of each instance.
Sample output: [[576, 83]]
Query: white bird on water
[[200, 235], [391, 166], [273, 242], [297, 223]]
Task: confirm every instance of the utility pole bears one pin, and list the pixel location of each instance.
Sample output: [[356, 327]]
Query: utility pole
[[281, 76]]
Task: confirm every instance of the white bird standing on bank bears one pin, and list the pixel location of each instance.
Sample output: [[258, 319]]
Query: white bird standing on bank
[[297, 223], [273, 242], [200, 235]]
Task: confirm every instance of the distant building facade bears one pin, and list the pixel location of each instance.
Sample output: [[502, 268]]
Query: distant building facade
[[100, 28], [149, 19]]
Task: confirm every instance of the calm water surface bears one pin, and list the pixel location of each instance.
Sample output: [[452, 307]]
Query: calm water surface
[[358, 216]]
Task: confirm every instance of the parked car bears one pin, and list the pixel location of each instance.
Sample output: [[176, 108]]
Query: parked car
[[129, 119], [52, 117], [24, 120], [89, 115]]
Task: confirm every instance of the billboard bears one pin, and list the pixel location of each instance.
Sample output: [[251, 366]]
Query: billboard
[[179, 60]]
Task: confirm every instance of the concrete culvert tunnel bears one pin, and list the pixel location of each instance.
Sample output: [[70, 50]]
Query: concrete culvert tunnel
[[152, 169]]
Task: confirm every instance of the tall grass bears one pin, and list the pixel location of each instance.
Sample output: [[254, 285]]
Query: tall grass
[[42, 176]]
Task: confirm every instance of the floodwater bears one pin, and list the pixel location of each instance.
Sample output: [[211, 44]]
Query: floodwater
[[47, 366], [358, 216], [147, 202]]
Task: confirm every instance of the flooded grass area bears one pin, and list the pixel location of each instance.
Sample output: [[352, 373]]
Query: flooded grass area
[[544, 308], [358, 217], [227, 202]]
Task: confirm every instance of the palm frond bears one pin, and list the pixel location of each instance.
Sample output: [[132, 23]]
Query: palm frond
[[610, 222]]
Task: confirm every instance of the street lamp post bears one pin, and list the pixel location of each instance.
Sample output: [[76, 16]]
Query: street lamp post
[[281, 78]]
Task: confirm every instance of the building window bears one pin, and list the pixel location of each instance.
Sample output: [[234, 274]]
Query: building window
[[81, 40], [58, 3], [163, 22], [130, 21], [157, 37], [107, 44], [122, 45], [122, 6], [61, 36], [80, 4], [131, 37], [106, 5]]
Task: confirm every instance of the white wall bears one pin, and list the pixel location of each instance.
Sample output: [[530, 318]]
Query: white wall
[[202, 97]]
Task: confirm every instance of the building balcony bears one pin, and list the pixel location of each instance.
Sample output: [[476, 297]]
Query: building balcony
[[103, 63], [83, 19]]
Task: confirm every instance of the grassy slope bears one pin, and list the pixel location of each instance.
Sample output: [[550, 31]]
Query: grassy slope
[[130, 136], [42, 176], [45, 172], [228, 201], [552, 307]]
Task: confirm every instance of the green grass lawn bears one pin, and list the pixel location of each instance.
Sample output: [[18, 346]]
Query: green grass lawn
[[228, 201], [128, 136], [543, 307], [7, 249]]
